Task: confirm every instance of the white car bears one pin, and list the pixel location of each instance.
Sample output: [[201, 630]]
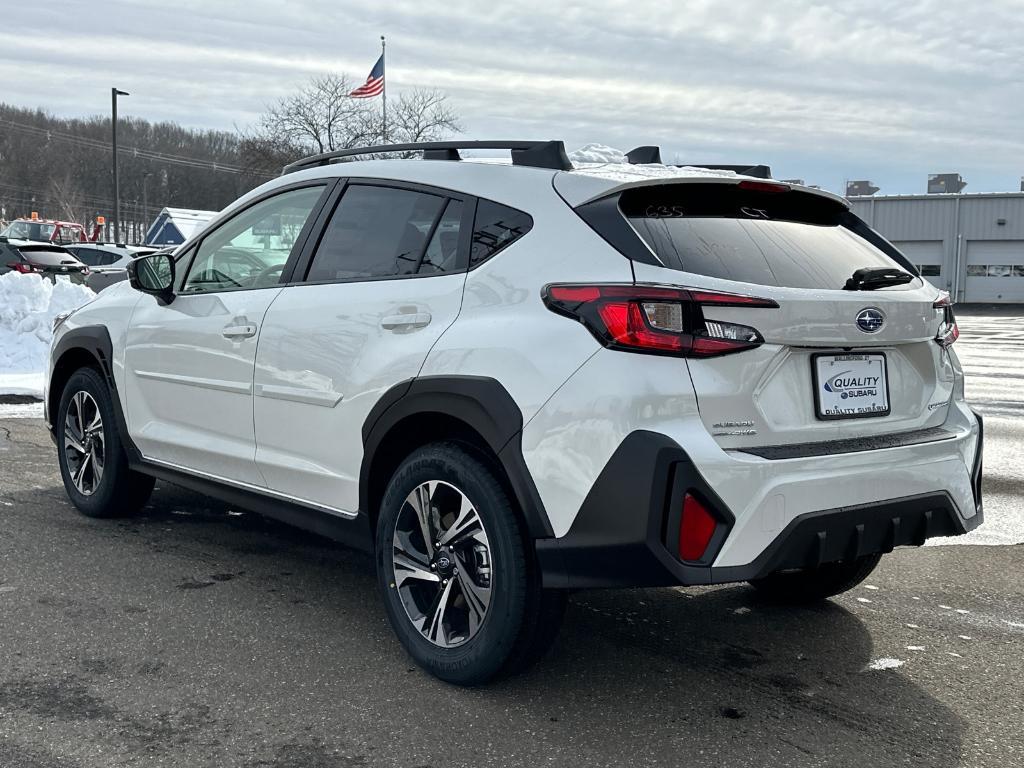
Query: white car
[[108, 263], [511, 380]]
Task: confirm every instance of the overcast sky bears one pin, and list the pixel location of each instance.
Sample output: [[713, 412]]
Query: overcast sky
[[822, 91]]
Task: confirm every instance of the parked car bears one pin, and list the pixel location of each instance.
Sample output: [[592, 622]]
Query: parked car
[[107, 262], [509, 381], [44, 259]]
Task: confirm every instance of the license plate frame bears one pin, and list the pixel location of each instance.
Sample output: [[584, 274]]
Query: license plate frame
[[850, 357]]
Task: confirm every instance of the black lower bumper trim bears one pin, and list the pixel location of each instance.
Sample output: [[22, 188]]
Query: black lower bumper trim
[[624, 533], [847, 533]]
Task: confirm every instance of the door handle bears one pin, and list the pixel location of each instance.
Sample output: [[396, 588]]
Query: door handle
[[394, 322], [239, 332]]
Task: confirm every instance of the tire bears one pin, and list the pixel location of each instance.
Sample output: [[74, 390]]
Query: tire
[[471, 512], [115, 491], [816, 584]]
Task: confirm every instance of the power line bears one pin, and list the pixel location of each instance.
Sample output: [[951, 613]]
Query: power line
[[144, 154]]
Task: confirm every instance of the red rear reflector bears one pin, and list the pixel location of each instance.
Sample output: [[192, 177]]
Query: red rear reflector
[[695, 529]]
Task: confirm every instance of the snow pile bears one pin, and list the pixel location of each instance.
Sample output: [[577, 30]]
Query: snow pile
[[28, 305], [597, 153], [880, 664]]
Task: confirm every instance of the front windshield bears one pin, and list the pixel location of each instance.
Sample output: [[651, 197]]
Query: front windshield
[[29, 230]]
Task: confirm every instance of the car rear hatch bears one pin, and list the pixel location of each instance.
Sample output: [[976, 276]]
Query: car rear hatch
[[839, 341], [51, 259]]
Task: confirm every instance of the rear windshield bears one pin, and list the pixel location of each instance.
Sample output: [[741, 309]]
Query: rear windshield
[[789, 239], [48, 257]]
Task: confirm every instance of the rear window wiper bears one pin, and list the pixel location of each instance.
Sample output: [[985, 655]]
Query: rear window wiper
[[870, 278]]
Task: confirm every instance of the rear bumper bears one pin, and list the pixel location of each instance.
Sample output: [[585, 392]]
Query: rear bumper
[[626, 531]]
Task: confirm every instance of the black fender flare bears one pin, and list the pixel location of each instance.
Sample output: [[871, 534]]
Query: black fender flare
[[480, 402], [94, 340]]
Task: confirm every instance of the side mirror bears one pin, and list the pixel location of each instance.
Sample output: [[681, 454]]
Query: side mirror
[[153, 274]]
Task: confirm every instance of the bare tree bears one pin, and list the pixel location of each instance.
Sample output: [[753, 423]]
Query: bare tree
[[66, 193], [322, 117]]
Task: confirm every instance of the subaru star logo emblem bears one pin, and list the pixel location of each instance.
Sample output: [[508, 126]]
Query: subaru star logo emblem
[[870, 320]]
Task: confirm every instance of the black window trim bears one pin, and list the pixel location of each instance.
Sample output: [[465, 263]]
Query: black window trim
[[329, 184], [303, 265]]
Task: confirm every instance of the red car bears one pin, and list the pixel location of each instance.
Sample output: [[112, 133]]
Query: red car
[[45, 230]]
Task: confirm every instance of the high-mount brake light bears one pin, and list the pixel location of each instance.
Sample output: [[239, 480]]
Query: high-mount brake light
[[656, 319], [948, 331], [763, 186]]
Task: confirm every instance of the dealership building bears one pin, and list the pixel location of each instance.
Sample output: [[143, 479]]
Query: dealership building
[[971, 245]]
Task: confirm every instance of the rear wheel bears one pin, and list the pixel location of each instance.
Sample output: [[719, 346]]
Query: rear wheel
[[459, 587], [815, 584], [92, 460]]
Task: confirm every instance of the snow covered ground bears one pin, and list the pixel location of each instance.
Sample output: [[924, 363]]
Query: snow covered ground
[[28, 305]]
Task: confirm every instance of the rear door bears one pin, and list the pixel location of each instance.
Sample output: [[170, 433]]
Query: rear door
[[383, 283], [836, 363]]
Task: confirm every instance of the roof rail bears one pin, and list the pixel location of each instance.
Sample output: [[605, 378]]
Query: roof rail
[[533, 154], [652, 154], [644, 155], [757, 171]]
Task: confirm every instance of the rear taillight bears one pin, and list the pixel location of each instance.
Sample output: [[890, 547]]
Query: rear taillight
[[656, 319], [696, 527], [25, 269], [948, 331]]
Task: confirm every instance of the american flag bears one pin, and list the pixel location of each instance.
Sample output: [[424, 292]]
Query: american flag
[[374, 84]]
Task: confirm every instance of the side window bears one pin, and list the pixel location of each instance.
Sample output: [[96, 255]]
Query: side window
[[496, 226], [251, 249], [382, 232], [88, 256]]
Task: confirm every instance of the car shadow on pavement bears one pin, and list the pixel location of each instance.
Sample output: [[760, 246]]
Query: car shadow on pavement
[[668, 676]]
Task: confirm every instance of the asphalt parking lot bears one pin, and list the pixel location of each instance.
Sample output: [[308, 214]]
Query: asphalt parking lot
[[201, 635]]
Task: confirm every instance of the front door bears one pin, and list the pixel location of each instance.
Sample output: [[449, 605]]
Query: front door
[[189, 364]]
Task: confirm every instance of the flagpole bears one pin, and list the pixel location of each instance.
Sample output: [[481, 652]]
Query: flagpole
[[384, 94]]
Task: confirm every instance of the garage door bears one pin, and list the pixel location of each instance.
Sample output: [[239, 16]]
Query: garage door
[[927, 255], [995, 270]]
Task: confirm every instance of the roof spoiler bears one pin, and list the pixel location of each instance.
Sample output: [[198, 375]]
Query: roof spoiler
[[532, 154]]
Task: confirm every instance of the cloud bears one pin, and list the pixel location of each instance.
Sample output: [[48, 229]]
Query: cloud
[[826, 89]]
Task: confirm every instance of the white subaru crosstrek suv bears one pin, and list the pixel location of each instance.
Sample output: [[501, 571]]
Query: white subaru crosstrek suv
[[511, 380]]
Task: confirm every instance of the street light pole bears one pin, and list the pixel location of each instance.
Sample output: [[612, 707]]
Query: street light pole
[[114, 93]]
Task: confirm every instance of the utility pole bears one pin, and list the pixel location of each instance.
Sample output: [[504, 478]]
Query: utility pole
[[145, 205], [114, 93]]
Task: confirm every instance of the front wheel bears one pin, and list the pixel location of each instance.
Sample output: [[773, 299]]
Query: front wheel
[[459, 588], [815, 584], [93, 463]]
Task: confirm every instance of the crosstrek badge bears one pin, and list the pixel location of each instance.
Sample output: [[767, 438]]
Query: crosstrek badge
[[850, 386]]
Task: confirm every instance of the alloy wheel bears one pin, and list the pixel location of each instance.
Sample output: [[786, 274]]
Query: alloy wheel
[[442, 563], [84, 443]]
